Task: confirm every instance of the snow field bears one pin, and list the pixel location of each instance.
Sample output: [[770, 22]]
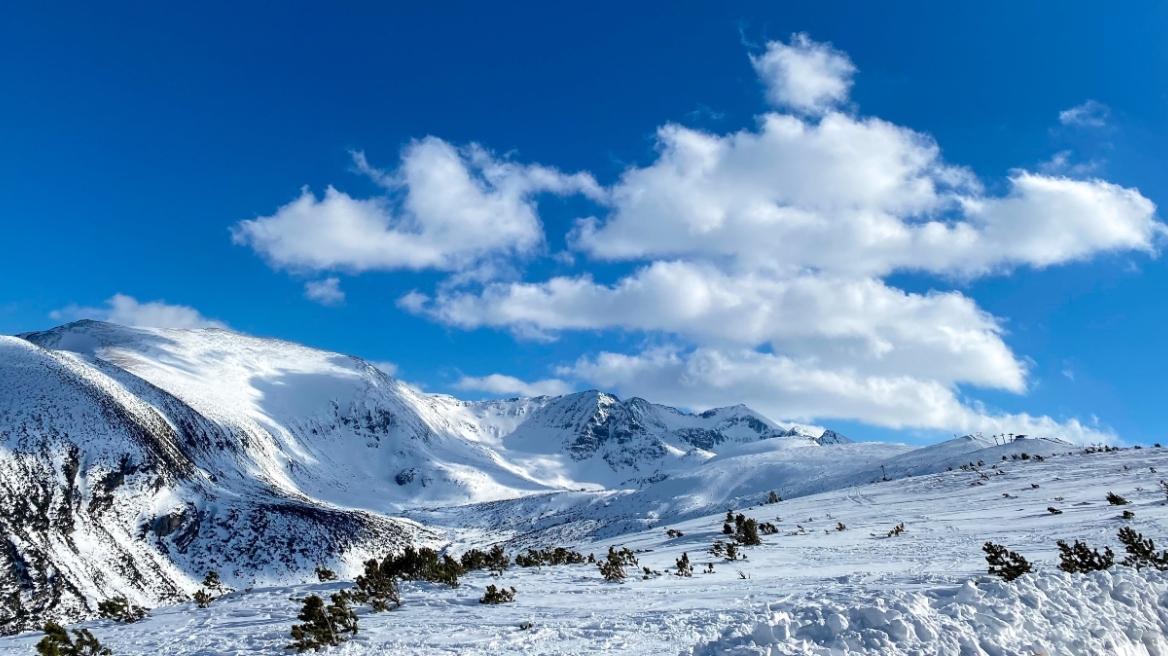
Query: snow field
[[819, 591]]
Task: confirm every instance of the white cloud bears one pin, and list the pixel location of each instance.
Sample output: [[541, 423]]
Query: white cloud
[[325, 292], [861, 324], [389, 368], [509, 385], [127, 311], [804, 75], [855, 197], [446, 209], [1091, 114]]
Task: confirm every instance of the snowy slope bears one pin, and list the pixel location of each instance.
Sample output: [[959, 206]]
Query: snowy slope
[[812, 591], [132, 460]]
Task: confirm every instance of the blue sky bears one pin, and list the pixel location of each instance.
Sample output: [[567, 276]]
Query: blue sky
[[901, 222]]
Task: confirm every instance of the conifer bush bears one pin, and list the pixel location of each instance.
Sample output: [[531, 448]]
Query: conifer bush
[[1080, 559], [1009, 565], [119, 609], [684, 568], [496, 595], [773, 498], [674, 533], [731, 551], [203, 598], [58, 643], [323, 626], [211, 582], [324, 574], [1116, 500], [377, 587], [1054, 511], [557, 556], [727, 529], [896, 530], [1141, 552]]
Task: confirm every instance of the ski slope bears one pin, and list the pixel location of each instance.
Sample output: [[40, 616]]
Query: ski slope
[[810, 589]]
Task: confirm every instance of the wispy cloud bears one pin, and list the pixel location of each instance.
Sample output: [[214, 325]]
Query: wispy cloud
[[126, 310], [1091, 114], [500, 384], [325, 292]]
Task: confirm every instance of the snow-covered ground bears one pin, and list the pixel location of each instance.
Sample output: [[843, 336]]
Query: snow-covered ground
[[808, 590]]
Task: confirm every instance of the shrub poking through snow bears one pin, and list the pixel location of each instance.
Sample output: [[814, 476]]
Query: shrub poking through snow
[[119, 609], [1080, 559], [211, 582], [203, 598], [1054, 511], [747, 532], [718, 548], [377, 587], [684, 568], [674, 533], [727, 529], [426, 565], [325, 574], [840, 526], [731, 551], [1116, 500], [773, 498], [58, 643], [1127, 514], [495, 595], [557, 556], [1004, 563], [767, 528], [729, 516], [896, 530], [1141, 552], [323, 626], [611, 570]]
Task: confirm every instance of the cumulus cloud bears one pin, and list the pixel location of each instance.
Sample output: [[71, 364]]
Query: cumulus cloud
[[853, 196], [445, 208], [502, 385], [861, 324], [804, 75], [1091, 114], [127, 311], [325, 292]]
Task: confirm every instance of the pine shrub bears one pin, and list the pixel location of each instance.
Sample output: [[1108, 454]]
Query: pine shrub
[[1080, 559], [211, 582], [731, 551], [727, 529], [323, 626], [58, 643], [773, 498], [1054, 511], [1141, 552], [557, 556], [377, 587], [674, 533], [324, 574], [1116, 500], [495, 595], [896, 530], [119, 609], [203, 598], [684, 568], [1007, 564]]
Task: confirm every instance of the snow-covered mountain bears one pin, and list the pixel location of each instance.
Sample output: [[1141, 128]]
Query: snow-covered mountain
[[132, 460]]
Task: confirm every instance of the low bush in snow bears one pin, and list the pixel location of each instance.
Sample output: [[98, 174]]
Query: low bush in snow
[[58, 643]]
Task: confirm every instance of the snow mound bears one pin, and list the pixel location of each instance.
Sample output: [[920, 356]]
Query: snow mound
[[1118, 612]]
